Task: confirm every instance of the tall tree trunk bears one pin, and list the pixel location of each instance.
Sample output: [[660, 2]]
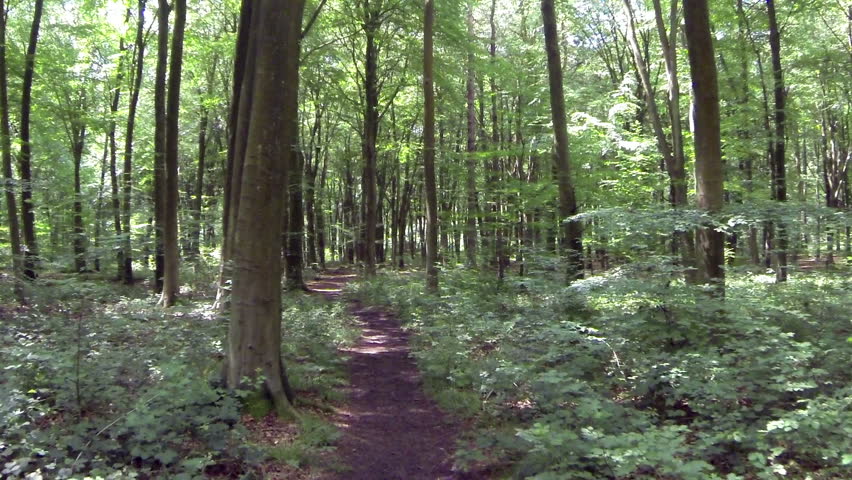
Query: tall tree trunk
[[472, 202], [203, 122], [572, 238], [171, 280], [294, 246], [78, 138], [115, 200], [127, 175], [242, 95], [429, 149], [30, 245], [254, 337], [371, 130], [708, 146], [6, 152], [160, 146], [779, 184]]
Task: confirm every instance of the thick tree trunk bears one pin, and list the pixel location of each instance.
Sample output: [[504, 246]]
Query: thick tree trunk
[[6, 152], [171, 279], [254, 337], [779, 185], [572, 237], [429, 149], [708, 147], [30, 245]]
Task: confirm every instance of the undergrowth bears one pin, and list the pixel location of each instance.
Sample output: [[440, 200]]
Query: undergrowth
[[99, 382], [632, 375]]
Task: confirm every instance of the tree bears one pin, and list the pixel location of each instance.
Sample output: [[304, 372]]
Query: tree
[[127, 174], [25, 159], [572, 243], [708, 146], [160, 143], [470, 185], [272, 44], [170, 200], [778, 151], [429, 149], [6, 152]]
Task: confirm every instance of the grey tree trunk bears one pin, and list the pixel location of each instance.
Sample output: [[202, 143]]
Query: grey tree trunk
[[254, 335]]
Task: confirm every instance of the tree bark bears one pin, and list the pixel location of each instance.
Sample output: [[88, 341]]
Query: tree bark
[[779, 184], [371, 130], [30, 245], [472, 201], [171, 279], [160, 145], [572, 243], [6, 152], [429, 149], [78, 139], [708, 146], [127, 175], [115, 199], [254, 337]]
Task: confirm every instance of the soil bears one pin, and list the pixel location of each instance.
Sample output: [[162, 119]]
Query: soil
[[390, 429]]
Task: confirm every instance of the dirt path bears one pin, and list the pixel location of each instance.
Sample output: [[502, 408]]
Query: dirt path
[[391, 430]]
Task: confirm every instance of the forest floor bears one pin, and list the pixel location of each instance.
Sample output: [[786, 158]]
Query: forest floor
[[390, 428]]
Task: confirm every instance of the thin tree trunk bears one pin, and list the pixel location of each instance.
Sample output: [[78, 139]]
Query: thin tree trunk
[[429, 150], [779, 186], [30, 245], [114, 199], [371, 130], [127, 176], [472, 202], [78, 137], [6, 152], [160, 146], [572, 243], [171, 280]]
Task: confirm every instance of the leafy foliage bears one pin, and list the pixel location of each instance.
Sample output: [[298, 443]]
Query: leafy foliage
[[631, 375], [102, 388]]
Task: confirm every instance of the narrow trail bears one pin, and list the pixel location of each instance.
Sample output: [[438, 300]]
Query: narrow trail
[[391, 430]]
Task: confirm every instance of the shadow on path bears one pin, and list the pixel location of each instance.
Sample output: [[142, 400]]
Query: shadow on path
[[391, 430]]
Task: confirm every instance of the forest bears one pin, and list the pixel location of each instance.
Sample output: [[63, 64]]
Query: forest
[[426, 239]]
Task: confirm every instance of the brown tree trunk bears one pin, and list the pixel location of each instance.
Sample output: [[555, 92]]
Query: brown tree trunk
[[171, 279], [6, 152], [30, 245], [127, 176], [371, 130], [572, 238], [78, 139], [160, 147], [254, 336], [429, 150], [708, 145], [238, 126], [472, 202], [779, 184], [198, 204], [295, 232], [113, 176]]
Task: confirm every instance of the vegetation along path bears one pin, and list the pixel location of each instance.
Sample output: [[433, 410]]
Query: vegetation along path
[[391, 430]]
